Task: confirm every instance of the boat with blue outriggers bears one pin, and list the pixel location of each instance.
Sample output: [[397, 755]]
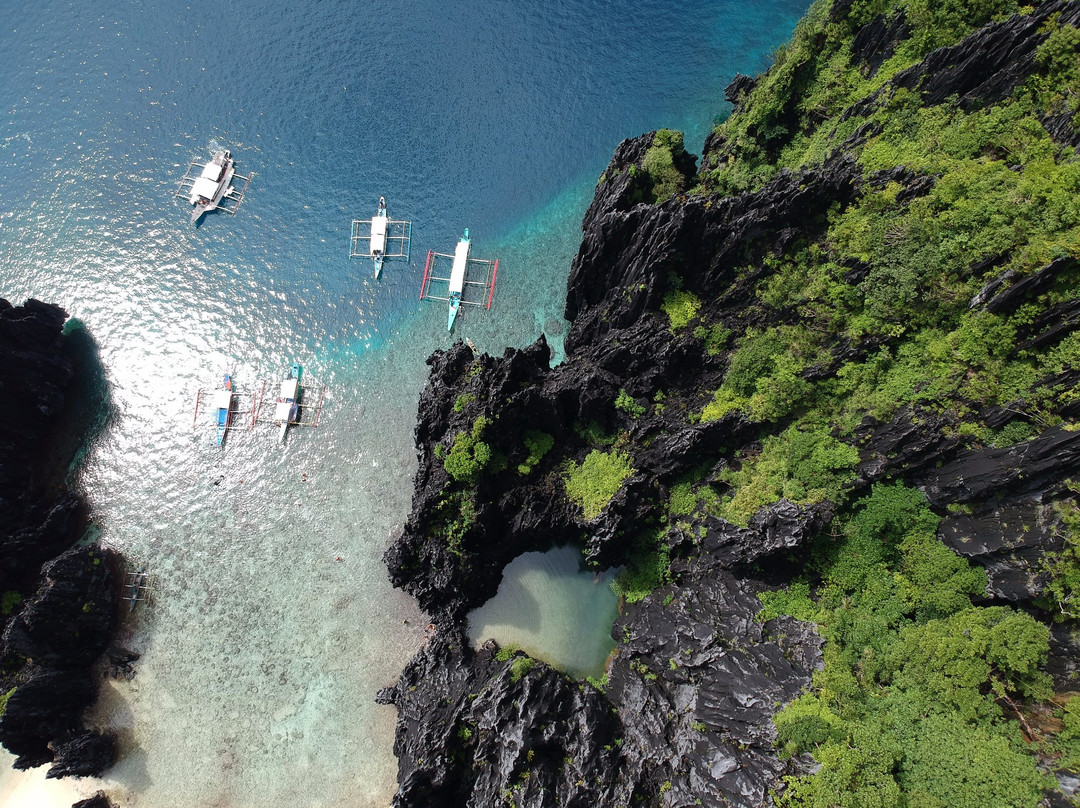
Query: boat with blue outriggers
[[226, 404], [386, 238], [223, 406], [459, 283]]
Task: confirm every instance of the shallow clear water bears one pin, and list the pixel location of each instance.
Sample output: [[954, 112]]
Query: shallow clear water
[[551, 608], [262, 654]]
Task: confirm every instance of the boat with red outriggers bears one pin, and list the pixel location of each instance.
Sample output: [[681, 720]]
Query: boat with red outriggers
[[459, 282]]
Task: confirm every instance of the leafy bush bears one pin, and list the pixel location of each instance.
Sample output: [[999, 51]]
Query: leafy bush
[[1061, 593], [469, 455], [665, 178], [624, 402], [9, 602], [463, 400], [715, 337], [802, 466], [455, 515], [681, 307], [520, 667], [539, 444], [594, 482], [646, 569]]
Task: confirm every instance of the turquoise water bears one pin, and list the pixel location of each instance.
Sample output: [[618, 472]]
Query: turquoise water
[[551, 608], [262, 653]]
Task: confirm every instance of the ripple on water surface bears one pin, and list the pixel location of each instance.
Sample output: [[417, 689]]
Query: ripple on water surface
[[262, 654]]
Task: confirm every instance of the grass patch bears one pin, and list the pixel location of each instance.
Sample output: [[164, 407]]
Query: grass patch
[[681, 307], [593, 483]]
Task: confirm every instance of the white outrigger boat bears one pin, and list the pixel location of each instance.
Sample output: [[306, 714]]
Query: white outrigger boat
[[457, 277], [209, 187], [459, 281], [290, 408], [222, 403], [379, 224], [387, 238], [287, 410]]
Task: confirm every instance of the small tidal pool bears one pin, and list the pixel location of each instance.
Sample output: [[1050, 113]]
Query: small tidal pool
[[552, 609]]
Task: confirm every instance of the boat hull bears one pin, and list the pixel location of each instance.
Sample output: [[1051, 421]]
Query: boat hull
[[212, 185], [455, 305]]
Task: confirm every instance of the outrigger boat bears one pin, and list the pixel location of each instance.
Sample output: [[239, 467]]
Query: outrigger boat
[[228, 406], [137, 588], [287, 410], [212, 184], [386, 238], [291, 403], [209, 187], [378, 235], [223, 403], [457, 277], [458, 281]]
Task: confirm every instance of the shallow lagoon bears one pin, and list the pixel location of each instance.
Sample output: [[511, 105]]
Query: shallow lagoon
[[555, 611]]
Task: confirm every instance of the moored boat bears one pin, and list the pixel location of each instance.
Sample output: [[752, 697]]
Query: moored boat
[[457, 277], [287, 410], [212, 184], [223, 404], [379, 227]]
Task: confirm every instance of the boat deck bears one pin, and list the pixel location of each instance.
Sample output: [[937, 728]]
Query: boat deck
[[464, 276], [196, 177], [391, 237]]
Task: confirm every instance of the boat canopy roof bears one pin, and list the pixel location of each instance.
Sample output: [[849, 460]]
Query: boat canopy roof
[[222, 399], [289, 388], [283, 411], [461, 260]]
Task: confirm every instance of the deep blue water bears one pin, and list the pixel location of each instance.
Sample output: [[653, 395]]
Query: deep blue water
[[262, 655]]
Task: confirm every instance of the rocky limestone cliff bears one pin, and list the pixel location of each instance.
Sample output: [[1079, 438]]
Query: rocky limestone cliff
[[59, 597], [686, 715]]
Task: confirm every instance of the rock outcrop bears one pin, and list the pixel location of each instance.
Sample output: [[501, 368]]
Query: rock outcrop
[[58, 597], [685, 716]]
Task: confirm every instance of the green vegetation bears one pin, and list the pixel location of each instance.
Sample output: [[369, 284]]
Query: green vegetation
[[912, 705], [764, 375], [624, 402], [9, 602], [539, 444], [455, 515], [520, 667], [594, 482], [802, 466], [681, 307], [715, 337], [646, 568], [469, 455], [463, 401], [665, 180], [4, 700], [916, 706], [1061, 596]]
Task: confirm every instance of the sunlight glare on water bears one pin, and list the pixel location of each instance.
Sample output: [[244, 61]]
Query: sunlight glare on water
[[262, 653]]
